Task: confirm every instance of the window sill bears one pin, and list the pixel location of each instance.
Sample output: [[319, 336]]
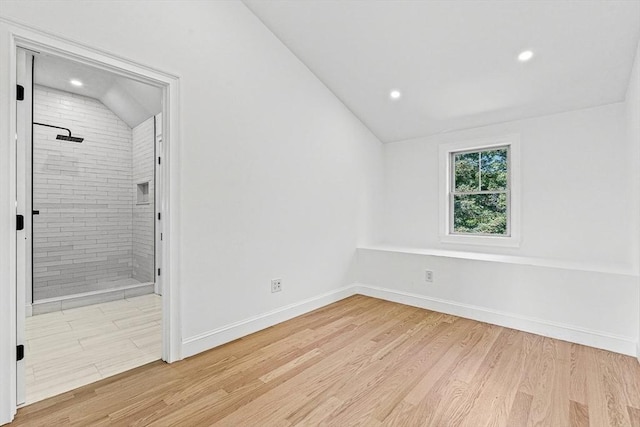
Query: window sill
[[511, 242]]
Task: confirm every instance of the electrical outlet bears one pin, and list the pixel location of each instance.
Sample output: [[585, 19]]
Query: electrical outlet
[[428, 276], [276, 285]]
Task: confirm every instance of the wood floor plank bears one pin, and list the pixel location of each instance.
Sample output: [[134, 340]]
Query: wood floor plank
[[387, 384], [607, 404], [431, 365], [533, 351], [500, 388], [634, 415], [578, 375], [462, 397], [348, 353], [628, 367], [551, 397], [431, 400], [519, 414], [400, 415], [366, 362], [579, 415], [454, 363]]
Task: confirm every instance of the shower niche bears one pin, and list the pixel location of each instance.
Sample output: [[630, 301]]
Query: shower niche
[[93, 191], [142, 193]]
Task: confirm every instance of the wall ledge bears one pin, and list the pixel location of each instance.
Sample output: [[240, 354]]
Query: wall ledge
[[506, 259]]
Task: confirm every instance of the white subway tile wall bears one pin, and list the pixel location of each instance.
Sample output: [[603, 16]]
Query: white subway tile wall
[[143, 231], [83, 236]]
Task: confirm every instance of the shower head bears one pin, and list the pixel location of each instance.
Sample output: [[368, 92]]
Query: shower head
[[69, 138], [62, 137]]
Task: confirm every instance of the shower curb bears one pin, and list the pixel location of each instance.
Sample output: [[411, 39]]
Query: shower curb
[[50, 305]]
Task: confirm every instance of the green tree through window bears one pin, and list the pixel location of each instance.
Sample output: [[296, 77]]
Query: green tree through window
[[480, 192]]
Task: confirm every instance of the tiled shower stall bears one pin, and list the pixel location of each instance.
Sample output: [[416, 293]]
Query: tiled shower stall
[[93, 238]]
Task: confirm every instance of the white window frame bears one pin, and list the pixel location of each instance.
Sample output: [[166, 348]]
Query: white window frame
[[445, 151]]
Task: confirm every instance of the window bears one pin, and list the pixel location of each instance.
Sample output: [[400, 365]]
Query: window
[[479, 195]]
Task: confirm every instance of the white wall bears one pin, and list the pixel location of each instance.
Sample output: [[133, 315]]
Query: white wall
[[633, 136], [143, 139], [278, 178], [575, 275], [575, 189], [594, 308], [82, 239]]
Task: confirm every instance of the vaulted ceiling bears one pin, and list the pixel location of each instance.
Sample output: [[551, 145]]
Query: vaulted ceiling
[[132, 101], [455, 62]]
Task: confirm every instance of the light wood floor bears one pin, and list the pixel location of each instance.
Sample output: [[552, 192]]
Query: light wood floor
[[366, 362], [70, 348]]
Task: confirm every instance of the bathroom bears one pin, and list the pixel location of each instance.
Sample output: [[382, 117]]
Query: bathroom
[[92, 258]]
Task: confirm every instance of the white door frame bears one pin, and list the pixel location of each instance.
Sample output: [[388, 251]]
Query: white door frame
[[14, 35], [158, 236], [24, 175]]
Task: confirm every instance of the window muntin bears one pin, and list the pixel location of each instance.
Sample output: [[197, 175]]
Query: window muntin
[[479, 197]]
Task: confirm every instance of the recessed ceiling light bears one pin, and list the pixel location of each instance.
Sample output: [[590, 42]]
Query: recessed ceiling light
[[524, 56], [395, 94], [75, 82]]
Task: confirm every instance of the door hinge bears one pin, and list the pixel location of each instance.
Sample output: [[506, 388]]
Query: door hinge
[[158, 160], [158, 216], [20, 352], [20, 93], [19, 222], [160, 236], [158, 272]]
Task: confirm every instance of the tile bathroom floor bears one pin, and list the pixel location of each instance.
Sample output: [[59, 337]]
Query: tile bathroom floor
[[70, 348]]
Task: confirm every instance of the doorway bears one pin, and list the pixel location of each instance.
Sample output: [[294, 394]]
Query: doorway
[[13, 257], [12, 298], [86, 172]]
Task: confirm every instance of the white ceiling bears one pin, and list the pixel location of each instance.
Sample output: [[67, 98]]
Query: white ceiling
[[130, 100], [455, 61]]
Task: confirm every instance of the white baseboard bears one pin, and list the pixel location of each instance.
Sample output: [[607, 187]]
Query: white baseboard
[[227, 333], [28, 310], [591, 338]]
